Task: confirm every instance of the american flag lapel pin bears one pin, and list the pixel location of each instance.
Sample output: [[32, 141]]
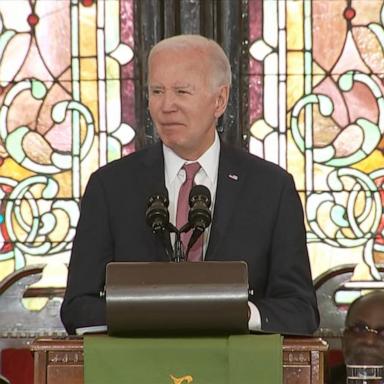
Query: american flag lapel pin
[[233, 176]]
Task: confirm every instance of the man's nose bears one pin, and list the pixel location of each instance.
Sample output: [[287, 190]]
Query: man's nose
[[169, 102]]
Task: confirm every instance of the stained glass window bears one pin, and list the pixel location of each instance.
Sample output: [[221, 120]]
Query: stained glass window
[[315, 108], [316, 97], [66, 108]]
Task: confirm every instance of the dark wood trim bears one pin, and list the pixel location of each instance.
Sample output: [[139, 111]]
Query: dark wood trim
[[303, 359]]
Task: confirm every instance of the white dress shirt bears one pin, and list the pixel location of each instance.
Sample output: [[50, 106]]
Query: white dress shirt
[[175, 177], [207, 175]]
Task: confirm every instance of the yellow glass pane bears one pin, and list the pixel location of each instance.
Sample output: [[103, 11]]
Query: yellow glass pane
[[371, 163], [60, 231], [113, 69], [295, 15], [295, 89], [64, 179], [295, 163], [295, 63], [87, 31], [90, 164], [89, 97], [14, 170], [6, 268], [88, 69], [324, 257]]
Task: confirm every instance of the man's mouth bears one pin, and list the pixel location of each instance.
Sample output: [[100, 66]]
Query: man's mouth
[[171, 123]]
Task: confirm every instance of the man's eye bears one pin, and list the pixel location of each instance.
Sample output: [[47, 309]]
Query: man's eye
[[156, 91], [182, 92]]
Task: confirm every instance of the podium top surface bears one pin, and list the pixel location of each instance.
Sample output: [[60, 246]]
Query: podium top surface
[[75, 343]]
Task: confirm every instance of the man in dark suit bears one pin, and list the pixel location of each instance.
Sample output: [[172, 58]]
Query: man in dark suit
[[257, 214]]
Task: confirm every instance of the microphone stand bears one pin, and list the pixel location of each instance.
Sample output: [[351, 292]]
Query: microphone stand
[[178, 249], [179, 253]]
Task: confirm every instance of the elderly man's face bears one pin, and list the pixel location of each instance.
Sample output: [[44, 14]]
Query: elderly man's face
[[363, 342], [183, 103]]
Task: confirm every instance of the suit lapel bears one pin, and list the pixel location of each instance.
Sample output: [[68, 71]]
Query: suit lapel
[[231, 177]]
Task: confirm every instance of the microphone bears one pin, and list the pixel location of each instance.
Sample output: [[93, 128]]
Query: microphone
[[199, 217], [157, 215], [199, 201]]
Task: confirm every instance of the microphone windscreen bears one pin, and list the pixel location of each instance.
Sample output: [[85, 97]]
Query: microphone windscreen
[[160, 194], [157, 215], [200, 192]]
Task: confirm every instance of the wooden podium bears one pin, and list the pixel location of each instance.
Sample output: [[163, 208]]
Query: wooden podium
[[60, 360]]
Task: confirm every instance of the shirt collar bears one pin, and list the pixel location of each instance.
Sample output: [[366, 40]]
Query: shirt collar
[[209, 161]]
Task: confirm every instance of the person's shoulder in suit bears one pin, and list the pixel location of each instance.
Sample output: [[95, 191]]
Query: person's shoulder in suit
[[131, 166], [150, 153]]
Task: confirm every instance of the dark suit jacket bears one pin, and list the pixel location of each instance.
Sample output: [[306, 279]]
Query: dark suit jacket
[[258, 218]]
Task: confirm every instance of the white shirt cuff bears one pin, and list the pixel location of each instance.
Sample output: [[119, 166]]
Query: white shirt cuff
[[254, 323]]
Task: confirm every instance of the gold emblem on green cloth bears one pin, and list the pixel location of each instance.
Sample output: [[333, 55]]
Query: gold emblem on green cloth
[[181, 380]]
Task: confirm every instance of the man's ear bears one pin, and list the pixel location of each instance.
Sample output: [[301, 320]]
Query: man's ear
[[222, 100]]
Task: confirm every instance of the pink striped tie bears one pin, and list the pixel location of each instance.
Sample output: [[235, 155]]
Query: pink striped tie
[[196, 252]]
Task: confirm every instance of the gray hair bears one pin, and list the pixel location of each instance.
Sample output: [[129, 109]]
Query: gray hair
[[220, 66]]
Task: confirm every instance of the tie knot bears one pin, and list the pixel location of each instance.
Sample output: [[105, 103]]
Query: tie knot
[[191, 169]]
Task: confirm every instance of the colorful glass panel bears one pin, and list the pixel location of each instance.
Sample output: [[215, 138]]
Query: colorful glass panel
[[316, 108], [66, 71], [317, 68]]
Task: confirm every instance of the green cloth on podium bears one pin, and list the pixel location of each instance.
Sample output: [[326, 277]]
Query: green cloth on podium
[[245, 359]]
